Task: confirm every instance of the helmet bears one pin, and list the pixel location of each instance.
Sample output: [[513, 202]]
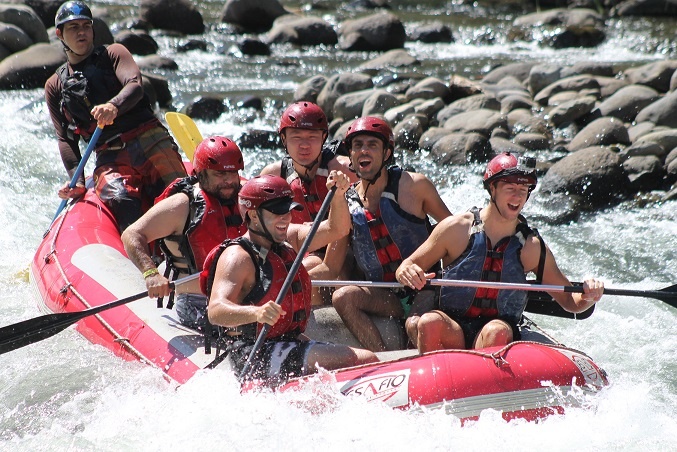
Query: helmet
[[510, 168], [73, 10], [267, 192], [303, 115], [371, 125], [219, 154]]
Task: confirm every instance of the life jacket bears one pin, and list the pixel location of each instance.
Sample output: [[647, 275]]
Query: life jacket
[[481, 262], [208, 224], [272, 267], [95, 84], [310, 194], [380, 242]]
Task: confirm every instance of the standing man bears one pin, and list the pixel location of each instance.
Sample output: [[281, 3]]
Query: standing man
[[135, 156], [491, 244], [389, 210], [192, 216], [243, 277], [303, 130]]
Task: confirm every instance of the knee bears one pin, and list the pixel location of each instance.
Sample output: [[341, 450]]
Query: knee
[[429, 324], [342, 298]]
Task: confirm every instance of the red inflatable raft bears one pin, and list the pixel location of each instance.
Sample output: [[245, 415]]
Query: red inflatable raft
[[81, 263]]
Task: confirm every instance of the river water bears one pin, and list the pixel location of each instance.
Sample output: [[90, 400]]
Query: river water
[[67, 394]]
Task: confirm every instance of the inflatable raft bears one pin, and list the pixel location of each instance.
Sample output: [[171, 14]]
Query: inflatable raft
[[81, 263]]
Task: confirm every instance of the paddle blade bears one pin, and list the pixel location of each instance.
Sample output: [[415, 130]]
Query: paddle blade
[[544, 304], [185, 131], [34, 330]]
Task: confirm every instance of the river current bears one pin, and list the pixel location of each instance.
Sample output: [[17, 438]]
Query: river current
[[66, 394]]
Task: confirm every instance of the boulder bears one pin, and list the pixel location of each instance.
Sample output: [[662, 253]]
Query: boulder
[[310, 88], [461, 148], [27, 20], [628, 101], [254, 16], [663, 112], [341, 84], [30, 68], [176, 15], [302, 31], [603, 131], [376, 32]]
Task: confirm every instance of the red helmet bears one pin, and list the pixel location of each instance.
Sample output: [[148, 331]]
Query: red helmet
[[510, 168], [219, 154], [267, 192], [303, 115], [371, 125]]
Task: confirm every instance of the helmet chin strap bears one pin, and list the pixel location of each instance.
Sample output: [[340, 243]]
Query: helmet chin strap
[[373, 179], [266, 233]]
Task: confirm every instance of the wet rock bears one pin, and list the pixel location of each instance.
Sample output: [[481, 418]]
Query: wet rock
[[576, 83], [152, 62], [603, 131], [662, 112], [589, 68], [656, 75], [523, 120], [138, 43], [192, 44], [247, 101], [657, 8], [303, 31], [627, 102], [309, 89], [461, 87], [640, 129], [206, 108], [30, 68], [397, 114], [532, 141], [608, 86], [408, 132], [392, 59], [430, 108], [377, 32], [570, 111], [643, 148], [595, 173], [341, 84], [430, 33], [176, 15], [561, 28], [542, 75], [252, 46], [349, 106], [499, 145], [519, 71], [475, 102], [481, 121], [514, 102], [254, 16], [13, 39], [26, 20], [667, 139], [432, 136], [260, 139], [379, 102], [429, 88], [644, 172], [461, 148]]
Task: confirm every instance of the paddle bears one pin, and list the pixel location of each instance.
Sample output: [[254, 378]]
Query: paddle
[[290, 277], [34, 330], [667, 294], [185, 131], [81, 167]]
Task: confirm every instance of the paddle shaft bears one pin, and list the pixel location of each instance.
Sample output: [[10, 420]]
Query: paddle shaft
[[668, 294], [81, 167], [34, 330], [290, 277]]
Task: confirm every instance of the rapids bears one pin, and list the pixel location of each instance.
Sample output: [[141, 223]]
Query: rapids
[[66, 394]]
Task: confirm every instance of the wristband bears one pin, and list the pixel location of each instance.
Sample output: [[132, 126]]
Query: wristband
[[150, 272]]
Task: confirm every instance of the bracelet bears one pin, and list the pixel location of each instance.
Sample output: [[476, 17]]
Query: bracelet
[[150, 272]]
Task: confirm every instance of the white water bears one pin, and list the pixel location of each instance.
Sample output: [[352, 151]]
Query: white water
[[66, 394]]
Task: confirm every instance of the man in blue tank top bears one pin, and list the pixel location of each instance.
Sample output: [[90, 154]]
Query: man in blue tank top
[[389, 211], [492, 244]]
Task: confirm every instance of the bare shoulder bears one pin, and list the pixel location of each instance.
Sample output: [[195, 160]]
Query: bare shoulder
[[456, 223], [235, 259], [273, 168]]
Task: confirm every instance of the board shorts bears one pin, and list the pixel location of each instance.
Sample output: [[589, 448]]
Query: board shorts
[[471, 327], [130, 175], [276, 362], [191, 308]]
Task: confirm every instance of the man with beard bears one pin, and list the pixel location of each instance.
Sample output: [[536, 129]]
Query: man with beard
[[192, 216], [136, 157], [491, 244], [389, 210]]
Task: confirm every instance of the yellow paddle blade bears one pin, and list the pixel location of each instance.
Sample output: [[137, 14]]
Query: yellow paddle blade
[[185, 131]]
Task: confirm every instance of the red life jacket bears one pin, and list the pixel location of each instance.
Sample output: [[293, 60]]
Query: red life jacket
[[208, 224], [272, 267], [310, 194]]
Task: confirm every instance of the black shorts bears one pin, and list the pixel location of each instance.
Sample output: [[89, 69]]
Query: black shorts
[[471, 327], [275, 362]]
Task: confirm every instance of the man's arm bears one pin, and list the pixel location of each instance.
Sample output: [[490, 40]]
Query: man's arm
[[432, 202], [68, 148], [447, 241], [552, 275], [334, 257], [166, 218], [337, 225], [233, 280]]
